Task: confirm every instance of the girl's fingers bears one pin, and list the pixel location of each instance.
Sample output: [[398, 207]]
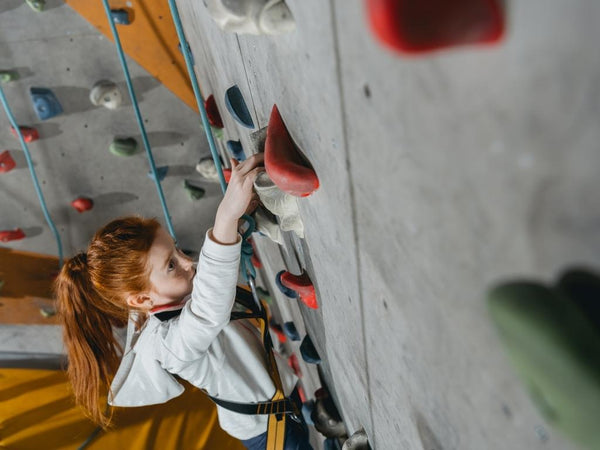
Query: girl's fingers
[[251, 163]]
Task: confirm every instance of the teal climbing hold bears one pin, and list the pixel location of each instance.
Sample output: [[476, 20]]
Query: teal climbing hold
[[264, 295], [161, 173], [195, 192], [8, 75], [45, 103], [120, 16], [36, 5], [236, 150], [123, 146], [290, 330], [236, 105], [308, 351]]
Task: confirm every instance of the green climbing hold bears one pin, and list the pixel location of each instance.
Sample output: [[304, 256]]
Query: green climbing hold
[[556, 351], [123, 146], [36, 5], [8, 75], [217, 132], [195, 192], [264, 295]]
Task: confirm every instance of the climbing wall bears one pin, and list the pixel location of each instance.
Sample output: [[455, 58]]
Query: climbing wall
[[442, 174]]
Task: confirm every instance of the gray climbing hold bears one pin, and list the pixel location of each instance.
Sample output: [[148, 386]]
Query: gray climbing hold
[[106, 93], [123, 146], [45, 103], [194, 192]]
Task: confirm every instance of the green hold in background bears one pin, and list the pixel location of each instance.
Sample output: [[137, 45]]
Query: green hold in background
[[123, 146], [553, 340], [195, 192], [7, 76], [36, 5]]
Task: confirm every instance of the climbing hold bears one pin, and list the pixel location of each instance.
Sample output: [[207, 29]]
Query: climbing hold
[[11, 235], [29, 134], [289, 328], [267, 225], [106, 93], [227, 175], [284, 290], [283, 205], [82, 204], [7, 163], [553, 346], [276, 328], [265, 295], [8, 75], [206, 167], [47, 311], [36, 5], [255, 261], [301, 393], [189, 51], [236, 150], [123, 146], [45, 103], [214, 117], [295, 365], [251, 16], [582, 286], [417, 27], [358, 441], [308, 351], [161, 172], [120, 16], [236, 105], [302, 285], [326, 417], [217, 132], [284, 163], [194, 192]]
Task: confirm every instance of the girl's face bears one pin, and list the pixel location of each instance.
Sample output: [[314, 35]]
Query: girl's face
[[171, 271]]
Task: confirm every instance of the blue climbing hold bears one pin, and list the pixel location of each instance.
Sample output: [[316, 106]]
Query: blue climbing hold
[[189, 51], [236, 105], [236, 150], [290, 331], [120, 16], [161, 172], [45, 103], [307, 409], [308, 351], [284, 290]]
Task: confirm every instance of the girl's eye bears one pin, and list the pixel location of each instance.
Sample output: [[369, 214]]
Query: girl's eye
[[171, 265]]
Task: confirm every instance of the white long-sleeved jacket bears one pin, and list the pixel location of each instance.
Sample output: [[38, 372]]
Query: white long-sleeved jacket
[[202, 346]]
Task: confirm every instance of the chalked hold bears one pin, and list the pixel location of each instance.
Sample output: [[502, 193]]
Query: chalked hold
[[556, 351], [45, 103], [123, 146]]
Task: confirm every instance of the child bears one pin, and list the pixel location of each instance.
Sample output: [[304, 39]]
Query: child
[[133, 266]]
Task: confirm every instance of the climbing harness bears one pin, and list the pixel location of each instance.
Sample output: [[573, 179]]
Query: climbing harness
[[138, 117], [36, 184]]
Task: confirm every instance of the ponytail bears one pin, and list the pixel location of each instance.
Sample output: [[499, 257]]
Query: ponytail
[[93, 351], [90, 292]]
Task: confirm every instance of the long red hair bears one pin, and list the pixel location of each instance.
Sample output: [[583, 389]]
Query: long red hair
[[91, 292]]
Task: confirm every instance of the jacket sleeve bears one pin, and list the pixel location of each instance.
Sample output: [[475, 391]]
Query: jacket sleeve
[[206, 314]]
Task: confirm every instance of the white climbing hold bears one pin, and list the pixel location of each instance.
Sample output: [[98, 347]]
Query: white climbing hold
[[252, 16], [281, 204], [206, 167], [358, 441], [106, 93], [268, 226]]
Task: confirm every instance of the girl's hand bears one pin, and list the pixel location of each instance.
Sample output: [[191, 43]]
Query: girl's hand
[[238, 198]]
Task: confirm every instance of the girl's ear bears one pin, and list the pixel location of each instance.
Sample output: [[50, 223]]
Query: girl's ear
[[139, 301]]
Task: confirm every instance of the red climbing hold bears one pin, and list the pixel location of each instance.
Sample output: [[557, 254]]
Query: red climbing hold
[[414, 27], [7, 163], [303, 286], [11, 235], [82, 204], [295, 365], [284, 163], [227, 175], [276, 328], [29, 134], [214, 117]]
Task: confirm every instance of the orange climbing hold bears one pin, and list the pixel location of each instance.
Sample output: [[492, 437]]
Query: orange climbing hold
[[303, 286], [82, 204], [413, 27], [212, 111], [7, 163], [284, 163], [11, 235], [29, 134]]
